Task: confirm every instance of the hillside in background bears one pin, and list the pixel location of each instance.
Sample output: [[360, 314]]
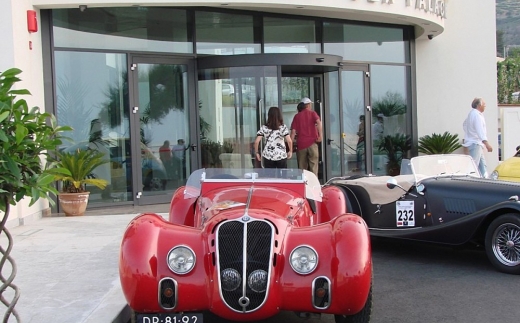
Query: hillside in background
[[508, 20]]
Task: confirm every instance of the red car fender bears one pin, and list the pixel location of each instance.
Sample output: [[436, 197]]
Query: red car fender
[[181, 208], [344, 255], [333, 203], [143, 263]]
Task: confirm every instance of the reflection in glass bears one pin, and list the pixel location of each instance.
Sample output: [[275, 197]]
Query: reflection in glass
[[92, 97], [232, 113], [150, 29], [234, 37], [163, 120], [353, 110], [390, 130], [332, 78], [283, 35], [366, 43]]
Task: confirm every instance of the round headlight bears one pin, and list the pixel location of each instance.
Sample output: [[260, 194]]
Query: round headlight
[[304, 260], [494, 175], [230, 279], [181, 260], [257, 280]]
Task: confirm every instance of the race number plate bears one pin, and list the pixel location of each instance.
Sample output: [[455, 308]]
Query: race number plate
[[170, 318], [404, 213]]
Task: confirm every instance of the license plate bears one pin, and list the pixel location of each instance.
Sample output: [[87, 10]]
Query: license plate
[[170, 318]]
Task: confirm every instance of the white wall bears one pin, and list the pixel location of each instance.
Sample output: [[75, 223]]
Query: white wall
[[16, 53], [510, 128], [6, 34], [456, 67]]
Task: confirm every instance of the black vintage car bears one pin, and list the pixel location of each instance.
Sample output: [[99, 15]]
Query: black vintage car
[[442, 200]]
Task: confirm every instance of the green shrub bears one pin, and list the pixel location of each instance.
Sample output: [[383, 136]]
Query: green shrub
[[439, 144]]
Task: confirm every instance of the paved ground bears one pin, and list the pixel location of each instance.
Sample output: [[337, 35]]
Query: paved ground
[[68, 273], [68, 267]]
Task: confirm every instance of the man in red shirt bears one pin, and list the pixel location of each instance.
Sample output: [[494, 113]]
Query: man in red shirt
[[307, 128]]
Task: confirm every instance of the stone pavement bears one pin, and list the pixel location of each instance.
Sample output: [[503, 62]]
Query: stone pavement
[[68, 268]]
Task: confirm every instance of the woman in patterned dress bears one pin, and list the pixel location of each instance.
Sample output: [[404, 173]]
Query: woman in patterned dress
[[278, 143]]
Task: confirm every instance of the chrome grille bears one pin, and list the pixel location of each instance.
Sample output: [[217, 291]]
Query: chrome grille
[[245, 246]]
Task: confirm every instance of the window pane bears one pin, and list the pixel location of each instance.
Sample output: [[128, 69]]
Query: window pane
[[290, 36], [225, 34], [92, 97], [151, 29], [390, 112], [366, 43]]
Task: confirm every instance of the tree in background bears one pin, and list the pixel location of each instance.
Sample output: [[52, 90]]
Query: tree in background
[[508, 77]]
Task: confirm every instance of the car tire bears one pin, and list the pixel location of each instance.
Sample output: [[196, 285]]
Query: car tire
[[503, 243], [362, 317]]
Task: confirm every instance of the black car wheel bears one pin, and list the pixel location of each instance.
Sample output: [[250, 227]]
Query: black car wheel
[[503, 243], [362, 317]]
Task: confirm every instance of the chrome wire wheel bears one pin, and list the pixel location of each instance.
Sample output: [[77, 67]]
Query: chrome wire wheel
[[506, 244]]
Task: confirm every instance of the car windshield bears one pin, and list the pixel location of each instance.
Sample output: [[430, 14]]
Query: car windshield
[[254, 175], [443, 165]]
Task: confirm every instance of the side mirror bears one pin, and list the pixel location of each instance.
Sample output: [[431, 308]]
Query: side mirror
[[392, 183]]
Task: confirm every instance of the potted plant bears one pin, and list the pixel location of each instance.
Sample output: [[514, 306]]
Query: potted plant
[[395, 146], [439, 144], [75, 171]]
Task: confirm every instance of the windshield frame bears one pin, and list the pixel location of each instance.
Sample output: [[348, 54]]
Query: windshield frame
[[253, 175], [443, 165]]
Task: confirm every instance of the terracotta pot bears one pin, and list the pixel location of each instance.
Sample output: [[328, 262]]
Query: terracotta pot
[[73, 204]]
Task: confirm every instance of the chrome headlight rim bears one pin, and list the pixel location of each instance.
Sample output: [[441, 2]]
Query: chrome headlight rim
[[494, 175], [299, 248], [177, 249]]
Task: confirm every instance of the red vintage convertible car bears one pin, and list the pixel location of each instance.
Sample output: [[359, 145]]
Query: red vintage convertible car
[[244, 245]]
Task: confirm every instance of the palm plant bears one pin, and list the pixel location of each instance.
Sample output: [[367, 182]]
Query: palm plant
[[439, 144], [396, 146], [75, 170]]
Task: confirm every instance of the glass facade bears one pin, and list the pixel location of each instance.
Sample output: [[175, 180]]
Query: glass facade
[[225, 34], [283, 35], [366, 43], [92, 97], [97, 93], [148, 29]]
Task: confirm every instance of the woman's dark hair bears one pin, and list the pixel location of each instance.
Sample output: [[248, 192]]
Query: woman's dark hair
[[274, 118], [300, 107]]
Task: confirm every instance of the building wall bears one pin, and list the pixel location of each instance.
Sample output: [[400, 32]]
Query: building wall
[[456, 67], [16, 38]]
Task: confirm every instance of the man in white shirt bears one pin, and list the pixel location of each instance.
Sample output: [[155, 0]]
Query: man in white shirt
[[378, 128], [475, 137]]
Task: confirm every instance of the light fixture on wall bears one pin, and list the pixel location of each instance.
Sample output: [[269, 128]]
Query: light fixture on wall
[[82, 7]]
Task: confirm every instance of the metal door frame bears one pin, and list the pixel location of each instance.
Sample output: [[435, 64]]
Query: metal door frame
[[134, 61], [368, 115]]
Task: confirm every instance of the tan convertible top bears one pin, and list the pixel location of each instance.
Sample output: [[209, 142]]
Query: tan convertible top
[[377, 190]]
